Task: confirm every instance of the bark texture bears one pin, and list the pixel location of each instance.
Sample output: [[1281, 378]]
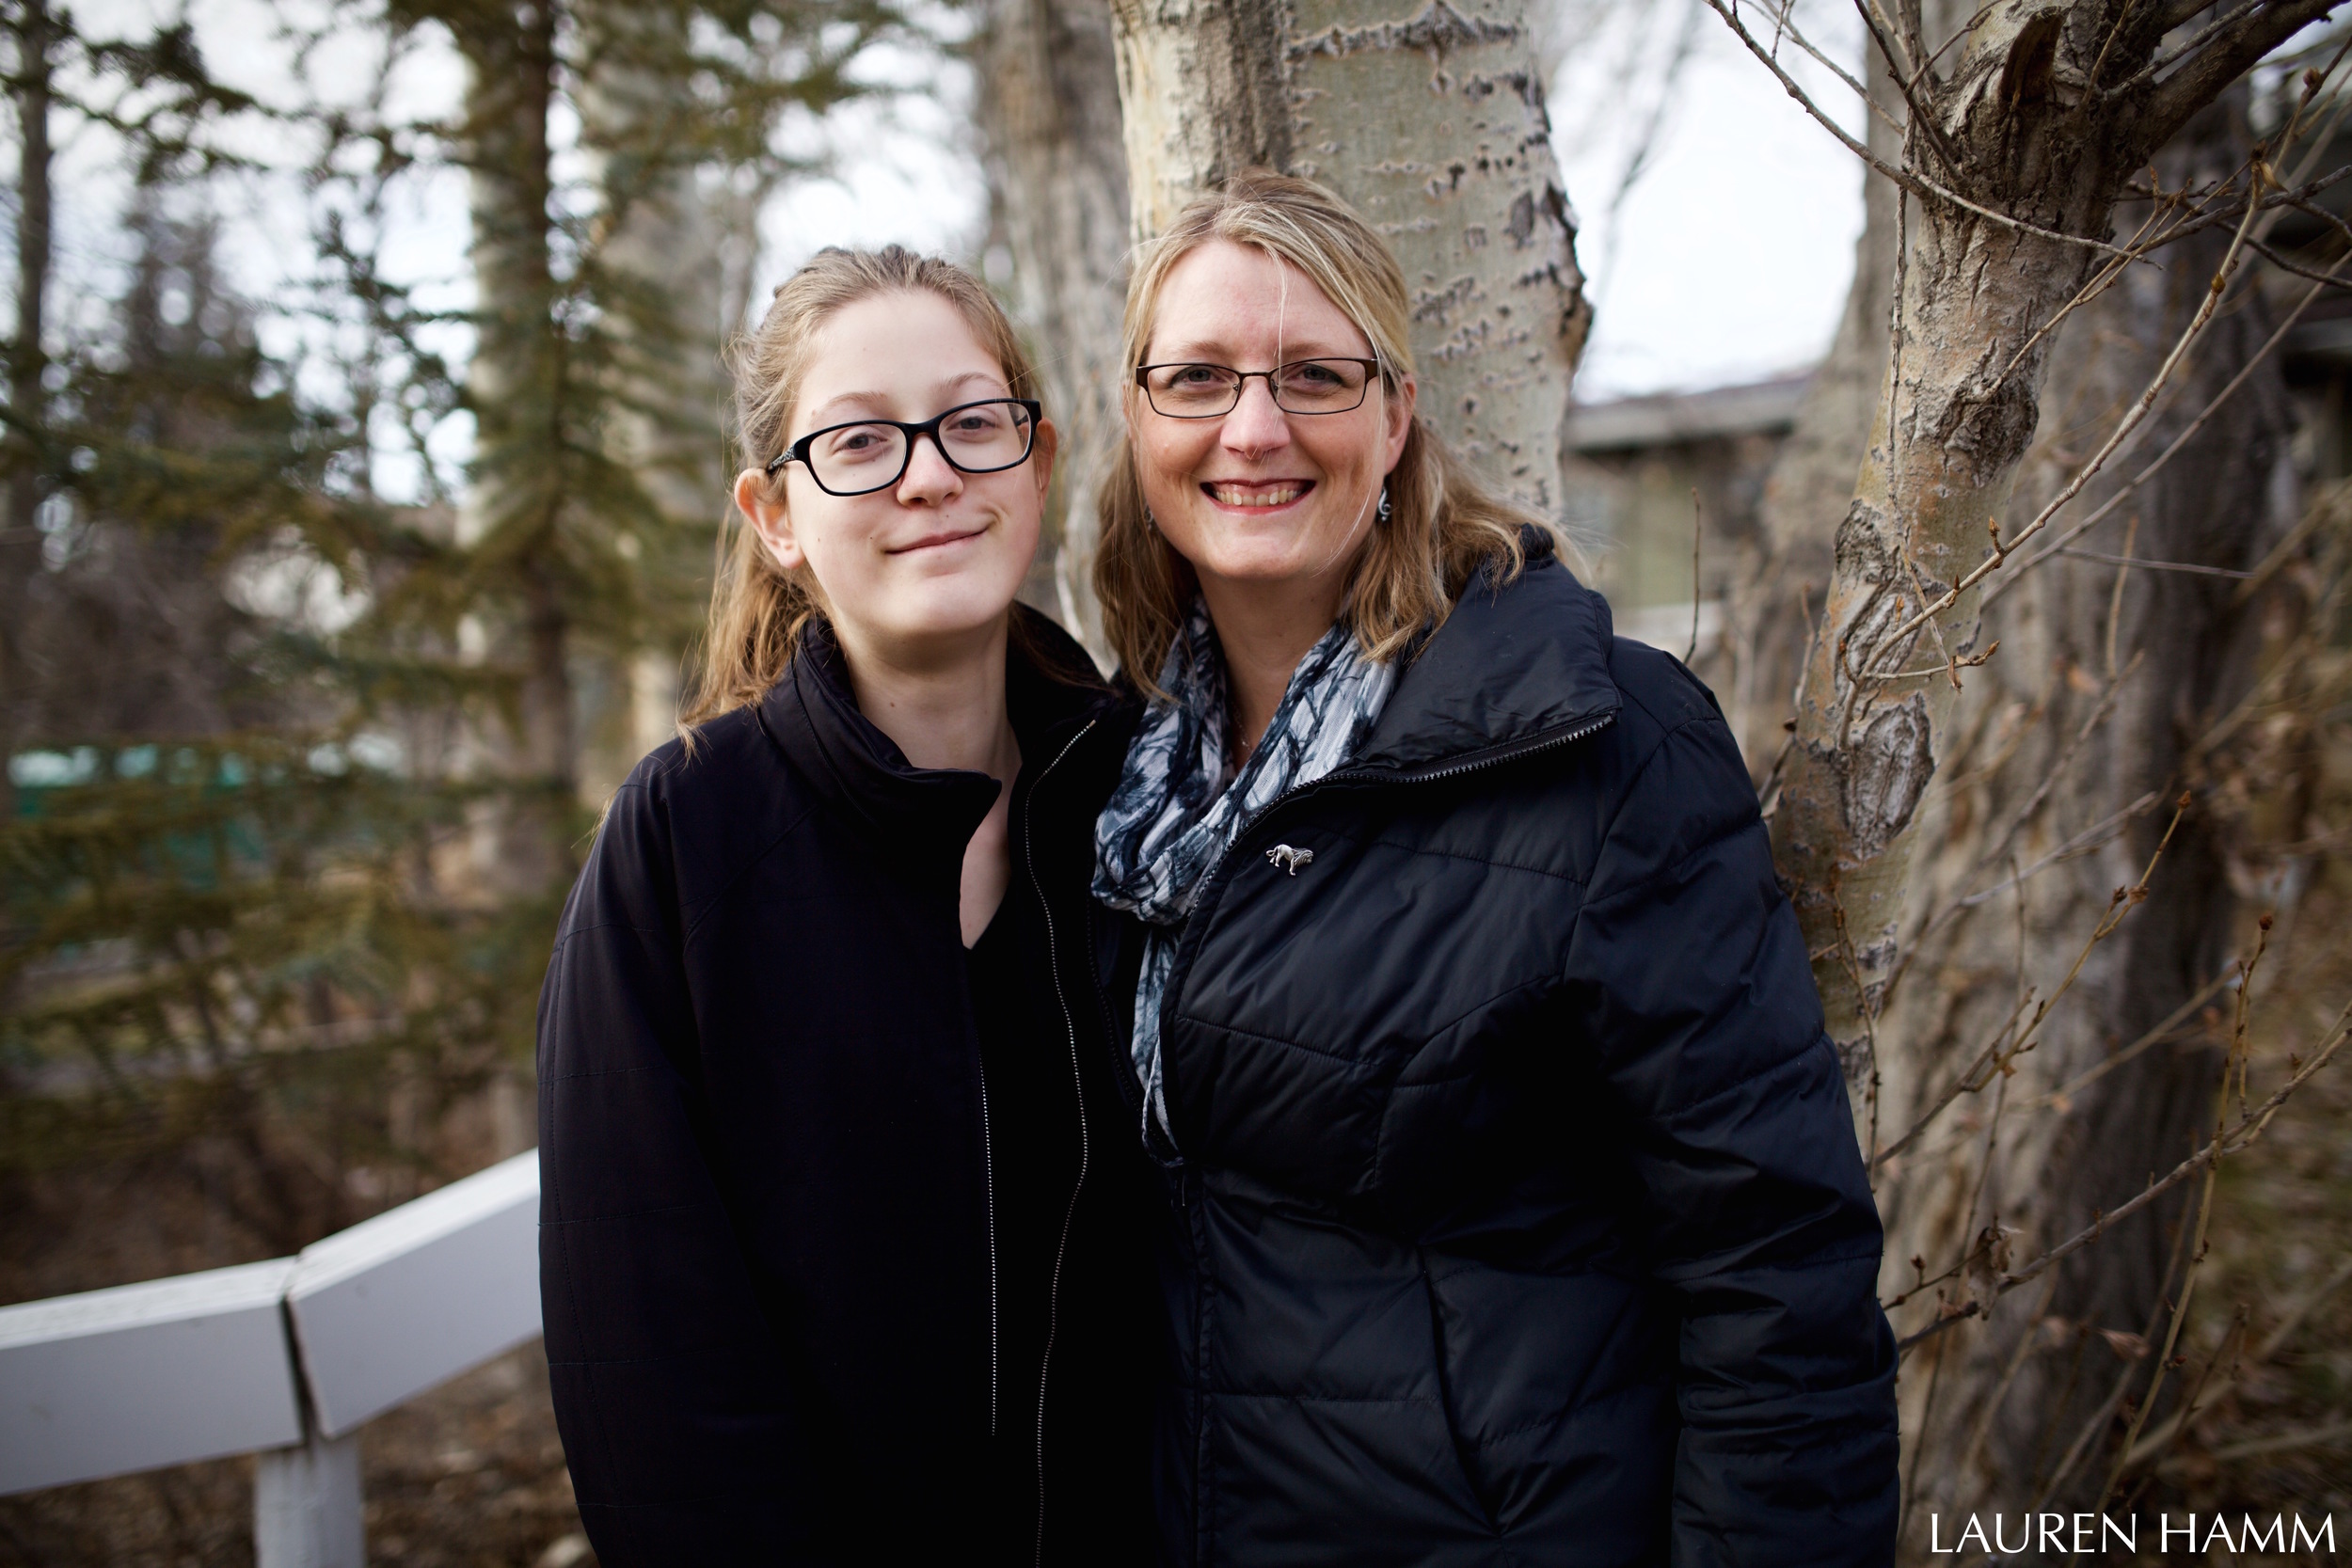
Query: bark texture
[[1049, 110], [2106, 677], [1774, 600], [1432, 122]]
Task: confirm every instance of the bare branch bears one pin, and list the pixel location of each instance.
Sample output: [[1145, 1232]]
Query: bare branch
[[2234, 52], [1919, 185], [2147, 73], [2249, 1129], [1993, 594]]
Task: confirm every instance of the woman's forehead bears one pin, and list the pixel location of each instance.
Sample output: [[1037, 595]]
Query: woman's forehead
[[890, 347], [1220, 297]]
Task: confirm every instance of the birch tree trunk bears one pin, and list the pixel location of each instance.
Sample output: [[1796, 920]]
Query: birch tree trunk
[[1430, 121], [1937, 920], [2072, 743], [1049, 110], [1775, 599], [2043, 118]]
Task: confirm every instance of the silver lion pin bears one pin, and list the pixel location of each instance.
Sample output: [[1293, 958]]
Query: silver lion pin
[[1289, 859]]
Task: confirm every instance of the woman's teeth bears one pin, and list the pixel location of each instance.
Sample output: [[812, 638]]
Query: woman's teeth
[[1234, 495]]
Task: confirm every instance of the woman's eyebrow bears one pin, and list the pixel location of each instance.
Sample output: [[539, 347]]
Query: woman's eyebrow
[[1219, 354], [944, 389]]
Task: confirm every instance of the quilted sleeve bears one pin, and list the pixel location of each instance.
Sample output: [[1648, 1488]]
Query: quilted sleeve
[[1690, 974]]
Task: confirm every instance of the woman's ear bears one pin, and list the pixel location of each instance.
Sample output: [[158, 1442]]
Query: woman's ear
[[1397, 409], [1042, 456], [768, 519]]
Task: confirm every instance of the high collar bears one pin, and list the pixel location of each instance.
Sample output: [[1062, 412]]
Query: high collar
[[923, 813], [1515, 663]]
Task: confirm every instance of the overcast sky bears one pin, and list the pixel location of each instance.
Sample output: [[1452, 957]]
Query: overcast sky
[[1726, 261]]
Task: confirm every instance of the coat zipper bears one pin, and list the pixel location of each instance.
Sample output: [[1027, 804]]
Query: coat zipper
[[988, 1206], [1077, 1085], [1493, 758]]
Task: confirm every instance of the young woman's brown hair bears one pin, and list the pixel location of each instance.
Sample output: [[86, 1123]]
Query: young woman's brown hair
[[757, 608], [1444, 525]]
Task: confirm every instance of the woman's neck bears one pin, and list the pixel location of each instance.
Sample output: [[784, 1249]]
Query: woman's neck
[[945, 708], [1264, 630]]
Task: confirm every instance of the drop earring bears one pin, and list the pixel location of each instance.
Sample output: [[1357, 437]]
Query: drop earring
[[1384, 503]]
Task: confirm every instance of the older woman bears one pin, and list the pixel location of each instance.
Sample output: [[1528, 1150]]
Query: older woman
[[1521, 1216]]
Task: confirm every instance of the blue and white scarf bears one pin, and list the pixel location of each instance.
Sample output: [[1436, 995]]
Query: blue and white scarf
[[1175, 812]]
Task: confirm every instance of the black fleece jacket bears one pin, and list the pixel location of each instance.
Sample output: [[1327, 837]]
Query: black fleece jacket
[[772, 1296]]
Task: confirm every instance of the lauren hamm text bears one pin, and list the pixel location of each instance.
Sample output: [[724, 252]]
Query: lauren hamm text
[[2078, 1534]]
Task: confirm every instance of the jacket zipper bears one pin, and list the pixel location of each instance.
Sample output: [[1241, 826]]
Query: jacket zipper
[[988, 1206], [1077, 1085], [1493, 758]]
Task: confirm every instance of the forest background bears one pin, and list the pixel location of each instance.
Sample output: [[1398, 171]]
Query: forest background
[[364, 455]]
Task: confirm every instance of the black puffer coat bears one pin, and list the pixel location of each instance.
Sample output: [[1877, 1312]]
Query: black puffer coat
[[767, 1260], [1520, 1216]]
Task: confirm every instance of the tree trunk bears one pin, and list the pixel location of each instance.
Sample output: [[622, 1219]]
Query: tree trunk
[[1049, 110], [1979, 900], [517, 384], [2043, 118], [1433, 124], [19, 541], [1777, 596], [2034, 768]]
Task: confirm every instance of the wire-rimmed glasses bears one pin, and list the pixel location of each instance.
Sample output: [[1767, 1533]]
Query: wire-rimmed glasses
[[866, 455], [1197, 391]]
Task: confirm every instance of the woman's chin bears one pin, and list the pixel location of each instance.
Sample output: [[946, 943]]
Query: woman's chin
[[950, 612]]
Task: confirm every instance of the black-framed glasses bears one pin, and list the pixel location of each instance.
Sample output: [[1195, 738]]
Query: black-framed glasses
[[1190, 391], [866, 455]]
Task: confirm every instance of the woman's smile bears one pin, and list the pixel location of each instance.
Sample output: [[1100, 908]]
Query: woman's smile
[[1257, 495], [936, 539]]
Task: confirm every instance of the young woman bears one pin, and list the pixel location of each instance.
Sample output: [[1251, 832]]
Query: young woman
[[1522, 1217], [841, 1236]]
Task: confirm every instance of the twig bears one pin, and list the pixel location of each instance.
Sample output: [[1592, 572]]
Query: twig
[[1697, 518], [1919, 185], [2285, 1442], [2173, 1020], [2238, 1051], [2293, 1320], [2115, 600], [2154, 566], [2107, 506], [2244, 1134]]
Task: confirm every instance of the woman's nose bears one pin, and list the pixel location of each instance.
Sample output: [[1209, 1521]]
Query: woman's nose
[[1257, 423], [930, 479]]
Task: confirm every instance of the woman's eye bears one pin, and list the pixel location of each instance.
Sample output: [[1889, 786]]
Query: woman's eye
[[859, 441]]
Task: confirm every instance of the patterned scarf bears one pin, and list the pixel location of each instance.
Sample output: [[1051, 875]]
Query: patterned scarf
[[1174, 813]]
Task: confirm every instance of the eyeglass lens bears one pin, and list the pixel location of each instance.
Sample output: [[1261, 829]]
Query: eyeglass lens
[[1301, 387], [979, 438]]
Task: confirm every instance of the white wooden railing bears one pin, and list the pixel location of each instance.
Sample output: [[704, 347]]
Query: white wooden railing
[[284, 1359]]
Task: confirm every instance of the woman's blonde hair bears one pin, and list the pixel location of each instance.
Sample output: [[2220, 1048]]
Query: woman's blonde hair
[[758, 610], [1443, 526]]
